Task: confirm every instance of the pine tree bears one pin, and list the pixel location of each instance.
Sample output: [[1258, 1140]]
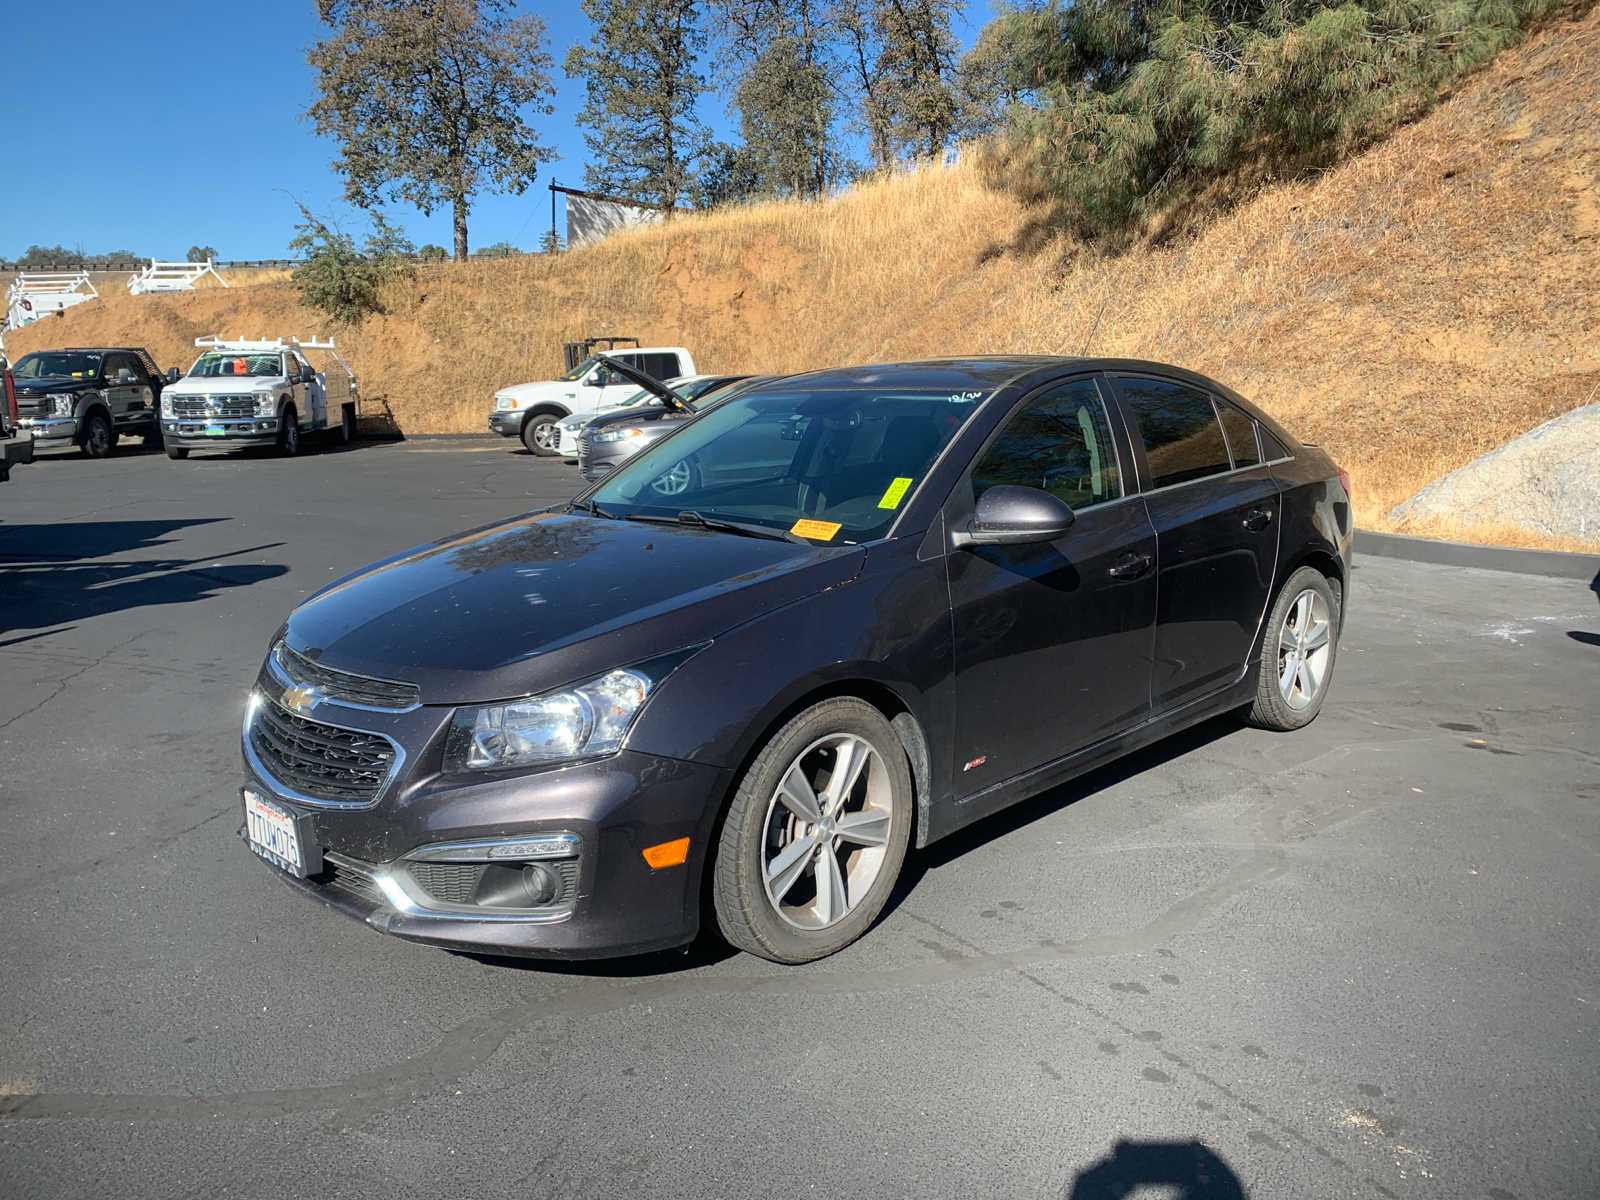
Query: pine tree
[[641, 86], [427, 100]]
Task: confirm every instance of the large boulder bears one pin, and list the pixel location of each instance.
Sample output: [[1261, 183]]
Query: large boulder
[[1547, 480]]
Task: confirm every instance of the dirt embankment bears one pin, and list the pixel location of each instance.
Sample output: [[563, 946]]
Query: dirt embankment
[[1410, 310]]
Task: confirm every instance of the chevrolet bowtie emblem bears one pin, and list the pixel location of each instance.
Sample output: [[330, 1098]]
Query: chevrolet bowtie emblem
[[301, 699]]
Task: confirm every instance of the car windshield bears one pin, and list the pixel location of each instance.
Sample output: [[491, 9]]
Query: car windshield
[[830, 464], [224, 363], [579, 371], [57, 365]]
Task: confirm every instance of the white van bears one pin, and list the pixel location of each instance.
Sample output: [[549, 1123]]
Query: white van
[[531, 411]]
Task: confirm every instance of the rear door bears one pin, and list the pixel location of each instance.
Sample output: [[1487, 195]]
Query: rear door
[[1053, 639], [1215, 512]]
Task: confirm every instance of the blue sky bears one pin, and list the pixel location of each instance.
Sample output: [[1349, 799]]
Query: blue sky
[[155, 125]]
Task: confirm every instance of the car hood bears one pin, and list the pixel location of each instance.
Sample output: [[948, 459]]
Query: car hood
[[34, 387], [543, 389], [641, 412], [224, 384], [550, 598]]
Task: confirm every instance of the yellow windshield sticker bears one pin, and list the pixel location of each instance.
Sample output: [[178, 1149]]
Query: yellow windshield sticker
[[895, 492], [823, 531]]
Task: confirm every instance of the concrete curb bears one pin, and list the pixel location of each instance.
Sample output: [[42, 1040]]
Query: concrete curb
[[1557, 563]]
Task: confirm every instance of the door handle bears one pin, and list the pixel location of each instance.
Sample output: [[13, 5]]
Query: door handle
[[1129, 567], [1257, 519]]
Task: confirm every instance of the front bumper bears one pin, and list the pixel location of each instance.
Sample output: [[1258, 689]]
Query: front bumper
[[507, 422], [191, 433], [15, 451], [613, 807], [571, 436], [51, 432]]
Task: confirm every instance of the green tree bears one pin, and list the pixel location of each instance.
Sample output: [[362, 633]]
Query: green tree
[[428, 100], [1144, 105], [429, 253], [782, 75], [990, 82], [859, 34], [200, 254], [916, 60], [498, 250], [550, 243], [641, 87], [343, 281]]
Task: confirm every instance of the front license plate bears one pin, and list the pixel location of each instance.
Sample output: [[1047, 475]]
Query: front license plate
[[215, 430], [273, 834]]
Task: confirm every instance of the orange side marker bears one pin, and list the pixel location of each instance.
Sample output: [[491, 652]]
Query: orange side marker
[[667, 854]]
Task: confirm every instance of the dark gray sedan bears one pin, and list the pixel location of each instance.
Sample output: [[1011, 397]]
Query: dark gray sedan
[[614, 437]]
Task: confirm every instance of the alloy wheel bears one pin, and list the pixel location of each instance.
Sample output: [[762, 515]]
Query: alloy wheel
[[827, 827], [1304, 647]]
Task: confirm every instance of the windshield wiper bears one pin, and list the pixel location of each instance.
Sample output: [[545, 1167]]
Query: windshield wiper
[[744, 529], [590, 507]]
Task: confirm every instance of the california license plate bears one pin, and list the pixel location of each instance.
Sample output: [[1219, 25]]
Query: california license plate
[[273, 833], [215, 430]]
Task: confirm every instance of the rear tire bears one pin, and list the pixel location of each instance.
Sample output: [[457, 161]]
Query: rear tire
[[99, 438], [1297, 655], [347, 424], [288, 433], [177, 451], [791, 887], [540, 436]]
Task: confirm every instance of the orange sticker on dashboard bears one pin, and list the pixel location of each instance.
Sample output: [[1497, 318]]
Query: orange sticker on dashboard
[[823, 531]]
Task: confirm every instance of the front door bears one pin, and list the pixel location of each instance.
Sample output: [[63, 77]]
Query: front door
[[1216, 515], [1052, 640], [127, 395]]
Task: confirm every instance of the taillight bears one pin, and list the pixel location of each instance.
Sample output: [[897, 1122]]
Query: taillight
[[1344, 480]]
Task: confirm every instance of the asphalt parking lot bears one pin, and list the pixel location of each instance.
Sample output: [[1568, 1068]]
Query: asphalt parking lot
[[1359, 960]]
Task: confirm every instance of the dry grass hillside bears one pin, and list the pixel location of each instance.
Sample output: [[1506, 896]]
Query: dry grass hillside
[[1408, 310]]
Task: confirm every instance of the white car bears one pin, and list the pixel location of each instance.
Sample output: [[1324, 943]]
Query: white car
[[532, 411]]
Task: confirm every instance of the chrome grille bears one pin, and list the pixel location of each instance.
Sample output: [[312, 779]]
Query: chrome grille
[[454, 883], [296, 668], [320, 762], [213, 406]]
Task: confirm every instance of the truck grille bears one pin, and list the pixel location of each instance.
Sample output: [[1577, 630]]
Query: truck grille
[[213, 406], [296, 668], [320, 762], [29, 405]]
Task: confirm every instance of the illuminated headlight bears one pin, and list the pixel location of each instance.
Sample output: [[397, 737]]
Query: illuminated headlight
[[266, 406], [61, 403], [617, 435], [589, 719], [504, 403]]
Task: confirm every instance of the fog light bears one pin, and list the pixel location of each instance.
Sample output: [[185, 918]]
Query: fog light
[[540, 883]]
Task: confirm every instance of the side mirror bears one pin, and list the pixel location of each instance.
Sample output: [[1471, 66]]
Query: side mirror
[[1009, 515], [125, 377], [597, 379], [173, 374], [307, 375]]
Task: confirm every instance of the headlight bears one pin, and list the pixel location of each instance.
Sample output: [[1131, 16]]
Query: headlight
[[166, 407], [504, 403], [266, 406], [617, 435], [61, 403], [591, 718]]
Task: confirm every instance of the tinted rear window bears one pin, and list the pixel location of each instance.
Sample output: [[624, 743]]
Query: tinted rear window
[[1182, 437], [1241, 431]]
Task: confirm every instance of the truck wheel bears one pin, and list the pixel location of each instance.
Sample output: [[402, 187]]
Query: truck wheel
[[288, 433], [347, 423], [539, 434], [99, 438], [153, 439], [177, 451]]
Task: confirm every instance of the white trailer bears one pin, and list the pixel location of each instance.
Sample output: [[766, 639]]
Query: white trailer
[[172, 277], [35, 294]]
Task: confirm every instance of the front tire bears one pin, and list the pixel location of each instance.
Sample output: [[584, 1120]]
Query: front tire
[[1302, 641], [288, 433], [540, 435], [177, 452], [99, 438], [815, 836]]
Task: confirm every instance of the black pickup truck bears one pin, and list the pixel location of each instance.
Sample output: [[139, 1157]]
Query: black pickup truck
[[16, 445], [89, 396]]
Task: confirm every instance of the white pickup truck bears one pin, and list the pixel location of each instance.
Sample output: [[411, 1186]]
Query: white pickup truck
[[532, 411], [257, 393]]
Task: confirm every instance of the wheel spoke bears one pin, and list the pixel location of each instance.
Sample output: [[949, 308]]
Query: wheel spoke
[[850, 758], [798, 797], [1310, 677], [1316, 637], [870, 827], [1302, 616], [831, 899], [1286, 673], [787, 867]]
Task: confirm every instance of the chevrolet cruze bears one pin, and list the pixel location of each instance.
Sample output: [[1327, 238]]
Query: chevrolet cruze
[[890, 601]]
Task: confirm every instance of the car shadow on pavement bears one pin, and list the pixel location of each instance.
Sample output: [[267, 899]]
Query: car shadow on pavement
[[1180, 1170], [43, 584], [1008, 820]]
